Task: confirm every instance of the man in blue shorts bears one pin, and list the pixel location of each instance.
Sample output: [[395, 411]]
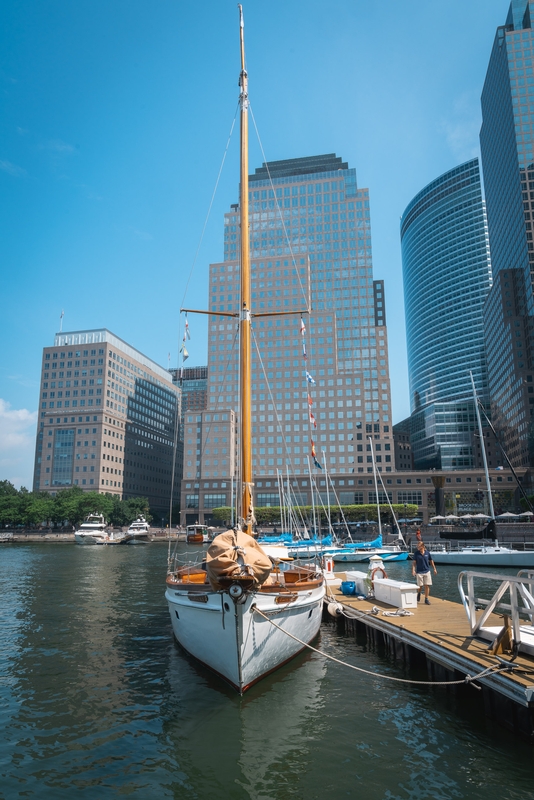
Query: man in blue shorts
[[422, 561]]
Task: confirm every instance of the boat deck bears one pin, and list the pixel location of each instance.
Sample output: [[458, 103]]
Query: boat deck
[[441, 634]]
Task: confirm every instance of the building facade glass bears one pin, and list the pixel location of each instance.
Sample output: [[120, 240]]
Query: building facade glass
[[310, 234], [507, 147], [107, 419], [447, 277]]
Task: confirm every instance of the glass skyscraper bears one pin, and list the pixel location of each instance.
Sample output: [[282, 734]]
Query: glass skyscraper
[[507, 147], [447, 276], [310, 236]]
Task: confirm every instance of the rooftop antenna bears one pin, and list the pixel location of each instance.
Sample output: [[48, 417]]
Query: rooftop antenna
[[61, 320]]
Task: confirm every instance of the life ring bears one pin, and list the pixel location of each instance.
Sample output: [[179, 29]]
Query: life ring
[[378, 569]]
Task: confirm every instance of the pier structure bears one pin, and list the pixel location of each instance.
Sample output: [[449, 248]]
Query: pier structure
[[437, 638]]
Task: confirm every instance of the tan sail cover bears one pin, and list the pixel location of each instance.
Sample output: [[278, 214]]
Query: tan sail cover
[[236, 554]]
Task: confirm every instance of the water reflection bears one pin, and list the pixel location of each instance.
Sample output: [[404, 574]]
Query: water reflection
[[97, 699]]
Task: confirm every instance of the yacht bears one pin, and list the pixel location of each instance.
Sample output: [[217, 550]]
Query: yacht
[[139, 530], [92, 531]]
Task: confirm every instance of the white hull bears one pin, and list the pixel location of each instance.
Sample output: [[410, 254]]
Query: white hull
[[89, 538], [235, 641], [357, 556], [485, 557]]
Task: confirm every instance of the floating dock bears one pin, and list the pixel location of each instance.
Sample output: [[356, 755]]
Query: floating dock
[[439, 634]]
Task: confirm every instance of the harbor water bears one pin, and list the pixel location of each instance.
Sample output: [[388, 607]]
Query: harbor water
[[98, 701]]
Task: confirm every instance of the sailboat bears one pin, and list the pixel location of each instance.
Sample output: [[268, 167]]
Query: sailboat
[[387, 553], [240, 611], [492, 555]]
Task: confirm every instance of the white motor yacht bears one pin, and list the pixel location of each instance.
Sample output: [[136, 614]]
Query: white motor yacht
[[92, 531], [139, 530]]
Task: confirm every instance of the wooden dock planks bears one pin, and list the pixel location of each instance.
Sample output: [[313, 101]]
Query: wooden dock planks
[[441, 630]]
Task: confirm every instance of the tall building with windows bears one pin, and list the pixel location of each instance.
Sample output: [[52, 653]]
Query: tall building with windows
[[447, 277], [106, 421], [310, 235], [193, 385], [507, 148]]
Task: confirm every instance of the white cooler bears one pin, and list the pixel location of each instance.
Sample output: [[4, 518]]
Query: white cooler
[[395, 593], [360, 579]]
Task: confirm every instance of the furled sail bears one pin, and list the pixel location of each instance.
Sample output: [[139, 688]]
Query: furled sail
[[234, 554]]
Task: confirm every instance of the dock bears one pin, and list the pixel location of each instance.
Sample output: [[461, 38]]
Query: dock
[[438, 636]]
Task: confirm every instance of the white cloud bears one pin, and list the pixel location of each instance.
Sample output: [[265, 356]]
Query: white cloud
[[12, 169], [138, 234], [58, 146], [17, 444], [463, 126]]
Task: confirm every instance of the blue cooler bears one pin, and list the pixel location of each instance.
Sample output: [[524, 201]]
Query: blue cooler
[[348, 587]]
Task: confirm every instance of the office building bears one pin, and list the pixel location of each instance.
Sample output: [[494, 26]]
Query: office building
[[193, 385], [447, 277], [106, 420], [507, 148], [310, 238], [402, 446]]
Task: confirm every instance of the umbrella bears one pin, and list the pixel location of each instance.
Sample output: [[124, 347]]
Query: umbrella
[[451, 516], [436, 518], [526, 514], [507, 514], [466, 516], [481, 516]]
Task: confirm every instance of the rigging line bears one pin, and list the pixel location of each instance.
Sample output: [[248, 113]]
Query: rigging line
[[468, 678], [210, 206], [177, 425], [292, 255], [272, 399], [294, 507], [329, 479], [223, 383], [391, 507], [520, 485]]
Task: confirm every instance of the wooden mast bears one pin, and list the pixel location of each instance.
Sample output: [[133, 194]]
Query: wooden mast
[[245, 321]]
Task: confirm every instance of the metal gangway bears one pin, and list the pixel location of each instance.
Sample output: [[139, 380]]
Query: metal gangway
[[513, 599]]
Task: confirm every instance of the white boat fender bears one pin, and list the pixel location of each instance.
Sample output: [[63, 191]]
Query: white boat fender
[[335, 609]]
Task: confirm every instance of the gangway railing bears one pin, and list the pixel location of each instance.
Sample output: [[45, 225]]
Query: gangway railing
[[513, 598]]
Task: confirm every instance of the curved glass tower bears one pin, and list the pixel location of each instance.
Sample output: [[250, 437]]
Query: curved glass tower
[[447, 276]]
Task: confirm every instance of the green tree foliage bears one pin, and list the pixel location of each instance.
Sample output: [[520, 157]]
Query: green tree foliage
[[68, 507]]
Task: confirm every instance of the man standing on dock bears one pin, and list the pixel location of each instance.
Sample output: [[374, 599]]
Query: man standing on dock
[[422, 561]]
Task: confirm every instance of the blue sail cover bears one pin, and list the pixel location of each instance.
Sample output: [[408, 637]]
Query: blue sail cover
[[365, 545]]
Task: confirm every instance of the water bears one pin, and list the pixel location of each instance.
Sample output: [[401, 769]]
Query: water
[[97, 701]]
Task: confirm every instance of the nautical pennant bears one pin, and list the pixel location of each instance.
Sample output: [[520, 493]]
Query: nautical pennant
[[302, 327], [312, 420], [304, 353], [310, 379], [313, 449], [310, 401], [316, 463], [185, 354], [186, 331]]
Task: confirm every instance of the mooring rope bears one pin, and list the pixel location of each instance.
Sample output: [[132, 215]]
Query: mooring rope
[[468, 678]]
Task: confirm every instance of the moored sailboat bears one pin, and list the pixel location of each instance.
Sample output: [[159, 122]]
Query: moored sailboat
[[491, 555], [241, 611]]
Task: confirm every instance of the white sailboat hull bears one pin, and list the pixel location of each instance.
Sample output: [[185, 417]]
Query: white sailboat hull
[[485, 557], [235, 641]]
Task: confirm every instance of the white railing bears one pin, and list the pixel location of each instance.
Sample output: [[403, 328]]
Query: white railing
[[513, 598]]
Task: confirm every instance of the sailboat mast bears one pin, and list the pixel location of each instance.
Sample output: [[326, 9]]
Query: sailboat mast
[[376, 486], [482, 447], [244, 322]]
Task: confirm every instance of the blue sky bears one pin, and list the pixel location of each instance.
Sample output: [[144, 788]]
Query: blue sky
[[114, 119]]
